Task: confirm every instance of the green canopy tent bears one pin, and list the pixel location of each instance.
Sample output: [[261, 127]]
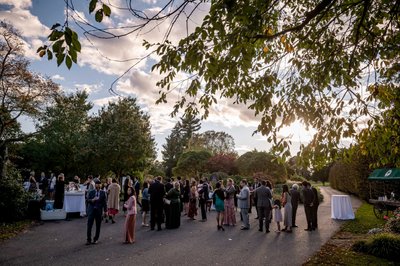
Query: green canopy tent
[[385, 174]]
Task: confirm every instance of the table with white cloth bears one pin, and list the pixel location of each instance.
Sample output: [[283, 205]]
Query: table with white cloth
[[75, 202], [341, 207]]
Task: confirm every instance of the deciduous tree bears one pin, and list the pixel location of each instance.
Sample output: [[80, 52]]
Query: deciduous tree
[[22, 92]]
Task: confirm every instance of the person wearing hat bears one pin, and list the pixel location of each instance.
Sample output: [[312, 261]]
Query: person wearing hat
[[97, 202]]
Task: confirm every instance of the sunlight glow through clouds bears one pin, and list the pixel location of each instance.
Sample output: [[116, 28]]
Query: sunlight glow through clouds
[[297, 132]]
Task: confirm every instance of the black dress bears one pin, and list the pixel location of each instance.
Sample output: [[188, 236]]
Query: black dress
[[173, 215], [59, 195]]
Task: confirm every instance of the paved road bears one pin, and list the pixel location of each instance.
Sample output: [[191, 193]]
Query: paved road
[[194, 243]]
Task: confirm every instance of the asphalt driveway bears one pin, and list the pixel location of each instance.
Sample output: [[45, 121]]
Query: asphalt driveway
[[194, 243]]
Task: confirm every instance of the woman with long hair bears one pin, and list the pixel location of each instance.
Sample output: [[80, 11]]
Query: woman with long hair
[[193, 196], [218, 200], [229, 213], [130, 220], [287, 204], [186, 194]]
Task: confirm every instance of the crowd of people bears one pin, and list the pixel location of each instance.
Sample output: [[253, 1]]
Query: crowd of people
[[167, 202]]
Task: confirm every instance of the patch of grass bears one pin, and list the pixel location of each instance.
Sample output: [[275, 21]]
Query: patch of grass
[[364, 221], [336, 255], [338, 250], [8, 231]]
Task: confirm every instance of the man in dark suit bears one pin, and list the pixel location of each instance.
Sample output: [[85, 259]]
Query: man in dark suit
[[203, 198], [157, 193], [294, 192], [314, 209], [308, 198], [97, 202], [263, 197]]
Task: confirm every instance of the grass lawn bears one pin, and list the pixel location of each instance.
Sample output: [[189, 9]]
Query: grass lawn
[[337, 251], [8, 231]]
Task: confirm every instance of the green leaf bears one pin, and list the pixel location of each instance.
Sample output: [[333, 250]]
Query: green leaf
[[73, 55], [68, 37], [60, 58], [76, 44], [68, 62], [106, 10], [92, 5], [55, 35], [49, 55], [99, 15], [57, 46]]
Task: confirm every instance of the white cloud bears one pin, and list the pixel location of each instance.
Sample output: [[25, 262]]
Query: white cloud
[[17, 3], [57, 77], [89, 88]]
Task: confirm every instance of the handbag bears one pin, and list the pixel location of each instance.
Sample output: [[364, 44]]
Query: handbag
[[167, 201]]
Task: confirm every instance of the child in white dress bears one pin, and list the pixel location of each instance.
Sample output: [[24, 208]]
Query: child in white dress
[[277, 214]]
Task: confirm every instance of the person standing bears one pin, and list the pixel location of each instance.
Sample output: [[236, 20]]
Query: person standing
[[263, 197], [136, 186], [256, 185], [113, 200], [157, 193], [145, 203], [229, 214], [59, 192], [97, 200], [168, 185], [287, 204], [193, 201], [314, 209], [186, 195], [130, 220], [218, 200], [173, 219], [295, 194], [244, 204], [52, 185], [43, 183], [308, 199], [277, 214], [203, 197], [127, 184]]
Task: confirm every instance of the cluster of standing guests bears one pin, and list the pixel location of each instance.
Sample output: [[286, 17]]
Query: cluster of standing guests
[[165, 202]]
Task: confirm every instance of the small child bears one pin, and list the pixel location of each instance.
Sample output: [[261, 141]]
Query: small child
[[277, 214]]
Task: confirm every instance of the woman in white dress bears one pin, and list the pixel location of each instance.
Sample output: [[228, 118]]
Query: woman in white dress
[[287, 204]]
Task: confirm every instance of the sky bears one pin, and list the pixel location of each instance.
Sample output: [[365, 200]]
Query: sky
[[97, 68]]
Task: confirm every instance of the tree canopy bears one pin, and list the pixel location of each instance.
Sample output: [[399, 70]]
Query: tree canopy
[[22, 92], [318, 62]]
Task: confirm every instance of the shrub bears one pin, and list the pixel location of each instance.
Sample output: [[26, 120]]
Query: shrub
[[381, 245], [393, 223], [385, 246], [13, 198]]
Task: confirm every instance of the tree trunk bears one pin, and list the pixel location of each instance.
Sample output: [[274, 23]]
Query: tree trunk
[[3, 160]]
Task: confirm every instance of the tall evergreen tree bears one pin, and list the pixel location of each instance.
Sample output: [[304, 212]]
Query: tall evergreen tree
[[178, 141]]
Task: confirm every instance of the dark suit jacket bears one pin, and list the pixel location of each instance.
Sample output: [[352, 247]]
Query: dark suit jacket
[[295, 197], [308, 197], [101, 203], [263, 196], [316, 199], [157, 193]]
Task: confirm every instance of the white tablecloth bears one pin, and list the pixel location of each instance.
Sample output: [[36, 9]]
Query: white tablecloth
[[341, 207], [75, 202]]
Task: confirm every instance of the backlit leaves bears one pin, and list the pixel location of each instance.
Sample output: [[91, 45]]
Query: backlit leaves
[[64, 44]]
